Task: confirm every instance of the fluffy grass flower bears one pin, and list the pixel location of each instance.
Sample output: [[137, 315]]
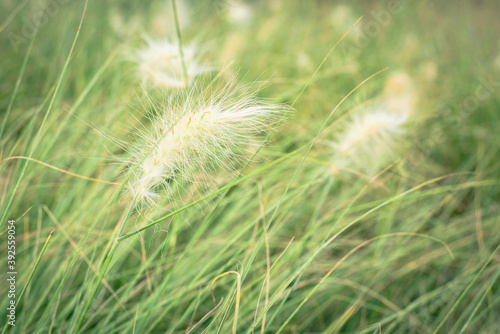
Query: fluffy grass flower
[[239, 12], [160, 64], [371, 139], [202, 133], [399, 94]]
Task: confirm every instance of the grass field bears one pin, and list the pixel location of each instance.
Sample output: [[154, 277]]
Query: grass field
[[332, 167]]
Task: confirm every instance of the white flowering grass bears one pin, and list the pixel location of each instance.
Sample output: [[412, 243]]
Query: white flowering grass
[[322, 264], [239, 12], [203, 133], [159, 63], [399, 95], [371, 139]]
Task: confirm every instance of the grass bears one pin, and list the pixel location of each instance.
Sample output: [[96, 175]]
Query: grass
[[281, 244]]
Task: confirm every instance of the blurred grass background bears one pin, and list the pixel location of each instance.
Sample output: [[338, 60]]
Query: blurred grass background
[[441, 196]]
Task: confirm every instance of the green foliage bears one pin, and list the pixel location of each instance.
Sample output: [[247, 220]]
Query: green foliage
[[413, 250]]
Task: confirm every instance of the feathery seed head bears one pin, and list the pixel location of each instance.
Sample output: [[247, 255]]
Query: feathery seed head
[[160, 64], [371, 139], [239, 12], [205, 132], [399, 94]]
